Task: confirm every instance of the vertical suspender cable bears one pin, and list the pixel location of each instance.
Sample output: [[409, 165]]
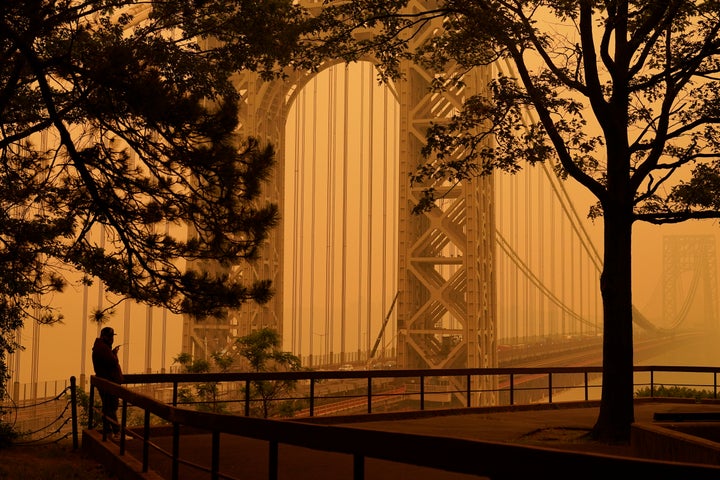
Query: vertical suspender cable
[[563, 273], [395, 208], [35, 355], [343, 257], [572, 278], [527, 238], [386, 172], [360, 203], [596, 297], [163, 348], [581, 285], [296, 347], [16, 364], [300, 226], [83, 321], [514, 225], [126, 336], [330, 228], [369, 294], [83, 328], [101, 288], [148, 339], [553, 259], [127, 320], [313, 181], [541, 256], [502, 269], [34, 366]]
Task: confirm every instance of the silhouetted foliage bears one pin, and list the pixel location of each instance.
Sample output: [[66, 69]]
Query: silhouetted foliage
[[621, 96], [205, 396], [120, 117], [262, 351], [675, 391], [8, 434]]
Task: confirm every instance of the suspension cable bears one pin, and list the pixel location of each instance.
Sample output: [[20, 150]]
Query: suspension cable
[[371, 115], [313, 182]]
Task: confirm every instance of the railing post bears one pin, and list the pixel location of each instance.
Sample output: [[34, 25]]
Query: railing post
[[176, 451], [358, 467], [312, 397], [549, 387], [247, 398], [273, 460], [652, 383], [468, 390], [586, 386], [175, 393], [146, 443], [512, 389], [369, 394], [215, 461], [422, 392], [123, 424], [73, 410], [715, 385]]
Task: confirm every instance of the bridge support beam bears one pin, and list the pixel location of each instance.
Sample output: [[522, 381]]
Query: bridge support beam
[[446, 307]]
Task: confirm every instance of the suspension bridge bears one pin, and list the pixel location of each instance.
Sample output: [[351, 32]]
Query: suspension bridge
[[502, 260]]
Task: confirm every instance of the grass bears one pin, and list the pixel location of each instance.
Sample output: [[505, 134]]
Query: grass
[[51, 461]]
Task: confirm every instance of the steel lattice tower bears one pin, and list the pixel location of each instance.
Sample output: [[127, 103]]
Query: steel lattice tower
[[692, 256], [446, 302]]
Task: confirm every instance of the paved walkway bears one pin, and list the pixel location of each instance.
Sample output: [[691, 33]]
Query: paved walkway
[[551, 428]]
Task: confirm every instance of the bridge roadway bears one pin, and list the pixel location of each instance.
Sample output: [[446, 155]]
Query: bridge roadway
[[541, 429], [575, 352], [587, 350]]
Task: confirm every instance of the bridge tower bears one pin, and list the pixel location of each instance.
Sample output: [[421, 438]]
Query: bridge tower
[[689, 277], [262, 115], [446, 280]]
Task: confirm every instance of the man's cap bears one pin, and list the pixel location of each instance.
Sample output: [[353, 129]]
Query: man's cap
[[107, 331]]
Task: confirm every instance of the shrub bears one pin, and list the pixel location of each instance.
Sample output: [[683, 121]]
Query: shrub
[[7, 434], [675, 392]]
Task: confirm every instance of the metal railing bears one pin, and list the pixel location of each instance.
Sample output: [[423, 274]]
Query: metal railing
[[451, 455], [528, 382], [45, 419], [32, 392]]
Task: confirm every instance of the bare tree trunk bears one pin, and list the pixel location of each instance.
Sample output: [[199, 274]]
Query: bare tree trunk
[[616, 405]]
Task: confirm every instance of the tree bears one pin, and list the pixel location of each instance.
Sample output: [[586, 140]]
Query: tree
[[261, 350], [625, 97], [120, 117], [205, 394]]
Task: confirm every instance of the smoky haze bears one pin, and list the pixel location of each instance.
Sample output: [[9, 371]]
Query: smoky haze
[[341, 247]]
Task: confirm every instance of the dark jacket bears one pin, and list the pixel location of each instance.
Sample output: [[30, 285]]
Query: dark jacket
[[105, 362]]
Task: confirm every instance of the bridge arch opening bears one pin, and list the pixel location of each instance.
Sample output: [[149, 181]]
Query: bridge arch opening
[[340, 216]]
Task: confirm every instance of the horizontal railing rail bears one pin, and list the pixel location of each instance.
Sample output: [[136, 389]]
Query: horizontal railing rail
[[511, 381], [456, 455]]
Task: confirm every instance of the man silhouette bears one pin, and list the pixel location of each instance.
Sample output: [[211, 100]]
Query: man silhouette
[[106, 365]]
